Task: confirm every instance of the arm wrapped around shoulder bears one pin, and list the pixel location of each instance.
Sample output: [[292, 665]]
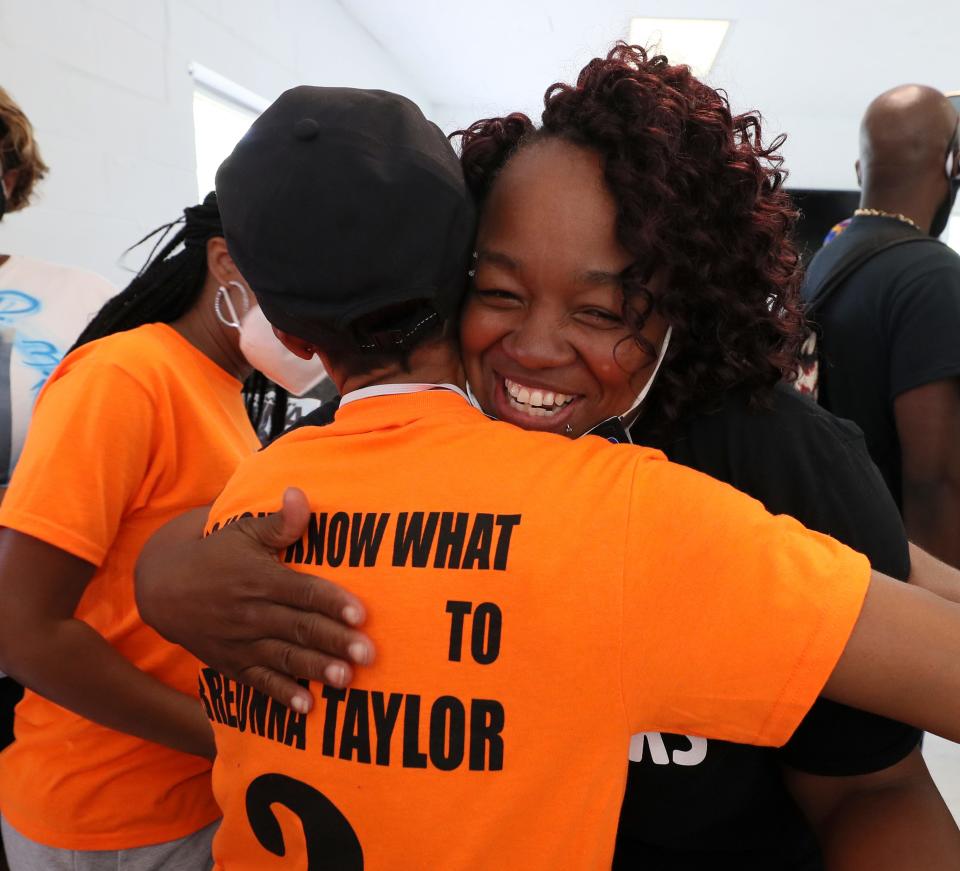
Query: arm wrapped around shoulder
[[733, 618]]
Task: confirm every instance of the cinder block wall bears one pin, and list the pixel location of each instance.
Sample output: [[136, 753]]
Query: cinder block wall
[[106, 84]]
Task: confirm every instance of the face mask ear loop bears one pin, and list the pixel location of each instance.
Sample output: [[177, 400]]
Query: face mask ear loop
[[952, 165], [473, 399], [223, 298], [630, 415]]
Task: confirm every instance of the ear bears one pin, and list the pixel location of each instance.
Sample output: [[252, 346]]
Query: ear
[[305, 351], [219, 262], [295, 345], [859, 176]]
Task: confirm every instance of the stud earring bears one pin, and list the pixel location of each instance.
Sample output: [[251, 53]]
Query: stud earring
[[568, 429]]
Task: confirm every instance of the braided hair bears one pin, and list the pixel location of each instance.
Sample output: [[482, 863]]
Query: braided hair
[[168, 285]]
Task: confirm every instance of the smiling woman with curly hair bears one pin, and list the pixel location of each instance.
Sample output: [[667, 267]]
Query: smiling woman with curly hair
[[642, 203], [698, 196]]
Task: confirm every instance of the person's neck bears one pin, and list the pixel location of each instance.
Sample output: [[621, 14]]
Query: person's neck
[[435, 363], [200, 328], [896, 203]]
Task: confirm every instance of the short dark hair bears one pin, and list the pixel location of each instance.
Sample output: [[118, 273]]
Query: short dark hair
[[360, 349]]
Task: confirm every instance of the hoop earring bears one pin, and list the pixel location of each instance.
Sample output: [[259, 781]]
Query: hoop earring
[[223, 296]]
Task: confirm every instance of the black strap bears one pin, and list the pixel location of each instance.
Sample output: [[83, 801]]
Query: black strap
[[850, 263]]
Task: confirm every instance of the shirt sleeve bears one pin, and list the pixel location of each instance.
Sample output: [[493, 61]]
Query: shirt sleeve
[[797, 459], [924, 330], [733, 619], [851, 503], [85, 458]]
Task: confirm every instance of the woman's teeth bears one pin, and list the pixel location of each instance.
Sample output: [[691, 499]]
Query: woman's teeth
[[533, 401]]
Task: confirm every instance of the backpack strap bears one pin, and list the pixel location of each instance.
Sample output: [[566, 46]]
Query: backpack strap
[[817, 294], [826, 274]]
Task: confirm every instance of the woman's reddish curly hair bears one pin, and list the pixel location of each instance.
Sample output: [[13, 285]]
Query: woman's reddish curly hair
[[697, 192]]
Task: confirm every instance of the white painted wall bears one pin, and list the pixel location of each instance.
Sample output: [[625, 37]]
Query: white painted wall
[[106, 86], [810, 67]]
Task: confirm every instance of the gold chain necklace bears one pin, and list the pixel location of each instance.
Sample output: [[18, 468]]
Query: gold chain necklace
[[880, 213]]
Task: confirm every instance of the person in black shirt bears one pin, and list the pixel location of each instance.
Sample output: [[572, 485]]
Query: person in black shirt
[[889, 335], [716, 407], [730, 805]]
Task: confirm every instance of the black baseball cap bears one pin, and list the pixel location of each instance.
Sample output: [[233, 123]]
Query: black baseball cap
[[340, 203]]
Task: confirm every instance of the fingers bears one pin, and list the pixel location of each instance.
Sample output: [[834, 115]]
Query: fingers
[[295, 513], [296, 589], [281, 659], [325, 597], [279, 687], [314, 632], [282, 528], [279, 584]]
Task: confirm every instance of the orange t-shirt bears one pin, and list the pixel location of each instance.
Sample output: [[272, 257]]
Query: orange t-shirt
[[535, 602], [129, 432]]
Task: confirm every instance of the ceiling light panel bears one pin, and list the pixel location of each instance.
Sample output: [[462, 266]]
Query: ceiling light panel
[[691, 41]]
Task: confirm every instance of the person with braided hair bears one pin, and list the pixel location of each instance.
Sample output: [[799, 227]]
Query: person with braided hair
[[168, 285], [144, 418]]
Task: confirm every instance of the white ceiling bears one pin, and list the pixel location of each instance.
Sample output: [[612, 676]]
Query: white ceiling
[[810, 66]]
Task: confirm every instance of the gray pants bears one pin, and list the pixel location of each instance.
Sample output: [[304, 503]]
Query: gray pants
[[191, 853]]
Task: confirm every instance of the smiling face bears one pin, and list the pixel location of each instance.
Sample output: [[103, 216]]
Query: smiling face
[[543, 339]]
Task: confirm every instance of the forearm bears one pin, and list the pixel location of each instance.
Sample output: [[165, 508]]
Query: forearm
[[902, 659], [931, 514], [892, 819], [164, 562], [934, 575], [71, 664], [906, 827]]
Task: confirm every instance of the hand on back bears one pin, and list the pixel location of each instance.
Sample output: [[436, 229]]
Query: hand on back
[[228, 600]]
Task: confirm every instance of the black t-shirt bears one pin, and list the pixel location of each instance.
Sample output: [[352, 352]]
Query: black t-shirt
[[693, 804], [892, 326], [715, 804]]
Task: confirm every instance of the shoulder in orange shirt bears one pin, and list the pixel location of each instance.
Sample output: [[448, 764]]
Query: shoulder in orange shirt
[[129, 431], [492, 731]]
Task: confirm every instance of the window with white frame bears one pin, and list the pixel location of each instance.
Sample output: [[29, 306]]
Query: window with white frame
[[222, 112]]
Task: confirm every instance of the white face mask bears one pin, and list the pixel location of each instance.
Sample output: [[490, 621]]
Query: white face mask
[[261, 347], [630, 415]]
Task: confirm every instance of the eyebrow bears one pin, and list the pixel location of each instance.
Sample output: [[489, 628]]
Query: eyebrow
[[590, 276], [599, 276], [498, 258]]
